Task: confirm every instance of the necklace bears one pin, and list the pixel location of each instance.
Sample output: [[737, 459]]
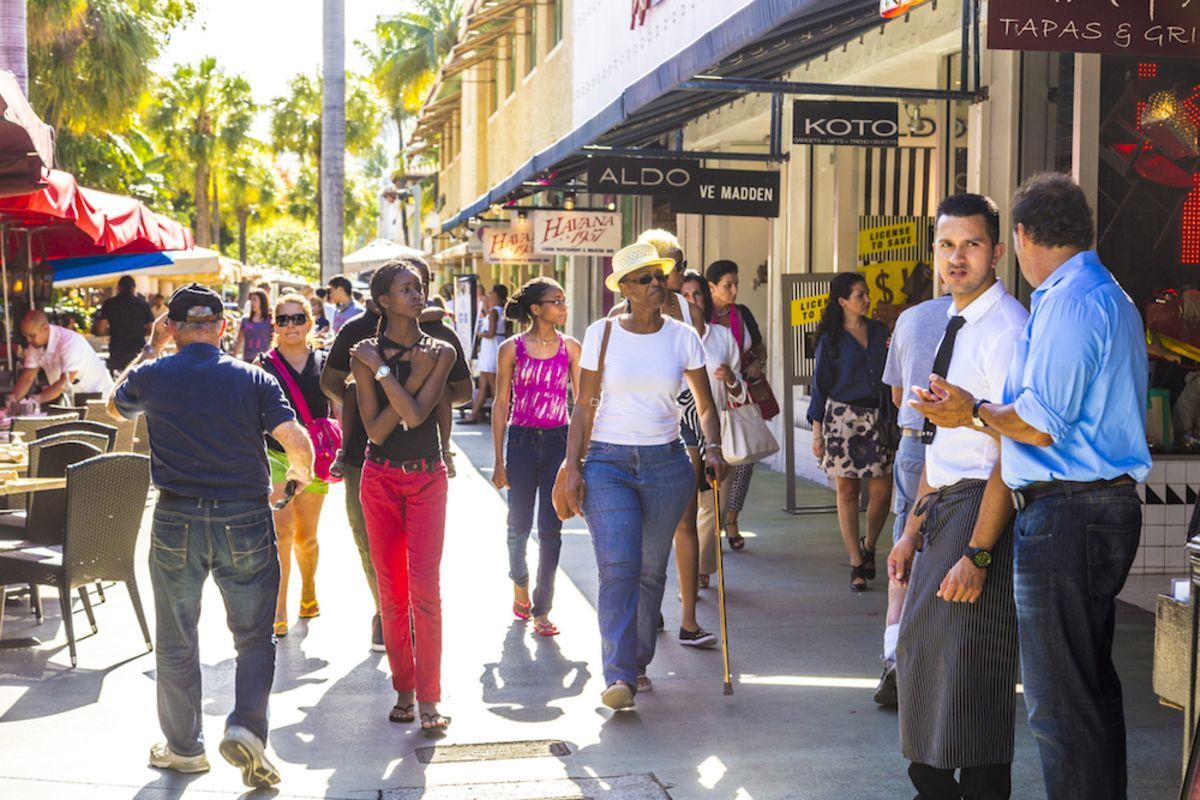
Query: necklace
[[531, 336], [725, 311]]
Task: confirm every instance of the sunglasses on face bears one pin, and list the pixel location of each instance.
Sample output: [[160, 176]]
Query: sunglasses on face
[[644, 280], [561, 301], [284, 320]]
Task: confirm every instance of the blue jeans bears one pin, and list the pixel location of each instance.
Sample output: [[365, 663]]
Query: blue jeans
[[1071, 556], [532, 462], [235, 541], [633, 499], [906, 479]]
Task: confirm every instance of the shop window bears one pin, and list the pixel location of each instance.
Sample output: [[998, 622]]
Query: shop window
[[556, 22], [511, 63], [531, 50]]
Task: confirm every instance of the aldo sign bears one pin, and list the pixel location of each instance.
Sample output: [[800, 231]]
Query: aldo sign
[[639, 176], [868, 124]]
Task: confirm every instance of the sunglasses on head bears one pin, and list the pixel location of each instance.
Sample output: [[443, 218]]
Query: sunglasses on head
[[657, 275], [681, 266], [284, 320]]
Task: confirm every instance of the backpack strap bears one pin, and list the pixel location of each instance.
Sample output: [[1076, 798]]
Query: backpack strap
[[296, 396]]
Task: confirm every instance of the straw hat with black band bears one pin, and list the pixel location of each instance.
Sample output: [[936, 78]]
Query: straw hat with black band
[[630, 259]]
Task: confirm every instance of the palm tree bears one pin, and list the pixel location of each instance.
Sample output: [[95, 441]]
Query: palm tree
[[249, 188], [410, 48], [202, 115], [333, 136]]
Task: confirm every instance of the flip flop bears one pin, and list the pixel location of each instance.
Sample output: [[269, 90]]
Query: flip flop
[[429, 722], [545, 628], [402, 714], [522, 611], [309, 609], [281, 628]]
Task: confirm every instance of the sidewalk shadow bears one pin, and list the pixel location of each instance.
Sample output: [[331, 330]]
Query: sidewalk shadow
[[54, 690], [343, 732], [522, 684]]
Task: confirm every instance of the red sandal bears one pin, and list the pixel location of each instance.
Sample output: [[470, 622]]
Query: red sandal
[[545, 628], [522, 611]]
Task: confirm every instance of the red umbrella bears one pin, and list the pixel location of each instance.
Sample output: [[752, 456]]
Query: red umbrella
[[26, 143]]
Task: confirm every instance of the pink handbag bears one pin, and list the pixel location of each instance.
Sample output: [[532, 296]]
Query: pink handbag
[[326, 433]]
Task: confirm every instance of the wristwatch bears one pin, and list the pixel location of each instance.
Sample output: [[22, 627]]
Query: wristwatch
[[978, 556], [977, 420], [383, 371]]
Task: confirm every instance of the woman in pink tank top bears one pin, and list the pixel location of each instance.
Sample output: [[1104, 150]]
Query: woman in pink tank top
[[533, 372]]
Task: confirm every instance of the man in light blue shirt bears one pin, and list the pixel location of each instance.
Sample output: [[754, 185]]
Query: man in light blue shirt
[[1073, 446]]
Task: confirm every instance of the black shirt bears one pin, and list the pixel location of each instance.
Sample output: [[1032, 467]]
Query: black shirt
[[207, 412], [364, 326], [309, 382], [404, 443], [127, 315]]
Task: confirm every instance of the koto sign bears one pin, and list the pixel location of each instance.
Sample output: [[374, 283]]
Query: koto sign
[[730, 193], [837, 122], [576, 232], [639, 175], [1154, 28]]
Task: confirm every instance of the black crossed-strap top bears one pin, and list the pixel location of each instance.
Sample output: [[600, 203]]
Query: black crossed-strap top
[[404, 443]]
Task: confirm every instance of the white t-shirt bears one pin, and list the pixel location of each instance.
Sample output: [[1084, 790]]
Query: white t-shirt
[[68, 351], [642, 372], [719, 348], [983, 352]]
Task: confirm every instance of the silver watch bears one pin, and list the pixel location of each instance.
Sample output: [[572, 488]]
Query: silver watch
[[383, 371]]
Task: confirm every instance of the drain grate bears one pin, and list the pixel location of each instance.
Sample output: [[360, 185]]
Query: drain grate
[[621, 787], [492, 751]]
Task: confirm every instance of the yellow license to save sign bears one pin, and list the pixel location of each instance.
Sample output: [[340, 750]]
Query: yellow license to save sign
[[807, 310]]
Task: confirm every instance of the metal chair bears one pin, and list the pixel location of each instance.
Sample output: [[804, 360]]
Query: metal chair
[[83, 426], [106, 496]]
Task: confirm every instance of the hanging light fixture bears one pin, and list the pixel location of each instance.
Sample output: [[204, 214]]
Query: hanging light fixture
[[1167, 124]]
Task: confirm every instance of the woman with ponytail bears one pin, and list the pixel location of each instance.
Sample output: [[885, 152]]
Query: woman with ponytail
[[492, 330], [533, 371], [400, 377]]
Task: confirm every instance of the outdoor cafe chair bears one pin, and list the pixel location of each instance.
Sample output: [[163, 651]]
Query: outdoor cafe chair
[[14, 517], [97, 411], [28, 427], [106, 497], [83, 426]]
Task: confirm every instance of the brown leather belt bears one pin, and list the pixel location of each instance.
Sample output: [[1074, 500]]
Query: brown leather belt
[[1036, 491]]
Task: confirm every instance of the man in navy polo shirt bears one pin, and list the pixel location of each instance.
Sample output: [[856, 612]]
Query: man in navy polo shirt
[[206, 413]]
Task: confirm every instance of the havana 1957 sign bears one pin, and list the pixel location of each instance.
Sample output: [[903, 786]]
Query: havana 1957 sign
[[1154, 28], [576, 232]]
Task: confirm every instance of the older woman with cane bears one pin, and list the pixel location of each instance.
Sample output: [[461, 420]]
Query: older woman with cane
[[637, 473]]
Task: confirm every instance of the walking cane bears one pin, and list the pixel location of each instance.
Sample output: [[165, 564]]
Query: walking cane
[[721, 579]]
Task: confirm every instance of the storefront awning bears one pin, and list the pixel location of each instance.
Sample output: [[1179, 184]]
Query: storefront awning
[[26, 143], [765, 39], [199, 264]]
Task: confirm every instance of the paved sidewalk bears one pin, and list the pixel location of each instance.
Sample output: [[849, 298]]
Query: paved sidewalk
[[800, 725]]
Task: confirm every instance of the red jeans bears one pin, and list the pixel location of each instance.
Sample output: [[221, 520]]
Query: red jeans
[[406, 525]]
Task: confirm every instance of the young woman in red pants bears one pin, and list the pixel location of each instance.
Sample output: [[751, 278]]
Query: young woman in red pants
[[400, 376]]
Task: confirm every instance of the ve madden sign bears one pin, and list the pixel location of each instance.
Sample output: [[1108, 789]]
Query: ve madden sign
[[1154, 28], [836, 122]]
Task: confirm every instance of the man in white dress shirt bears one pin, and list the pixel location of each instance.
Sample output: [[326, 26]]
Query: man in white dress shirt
[[64, 355], [956, 660]]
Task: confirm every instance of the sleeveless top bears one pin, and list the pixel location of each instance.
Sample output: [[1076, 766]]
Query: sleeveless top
[[256, 337], [404, 443], [539, 388]]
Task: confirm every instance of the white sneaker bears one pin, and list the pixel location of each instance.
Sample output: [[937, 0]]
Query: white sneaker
[[618, 696], [245, 751], [163, 757]]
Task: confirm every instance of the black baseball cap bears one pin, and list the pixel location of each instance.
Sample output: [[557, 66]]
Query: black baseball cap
[[185, 298]]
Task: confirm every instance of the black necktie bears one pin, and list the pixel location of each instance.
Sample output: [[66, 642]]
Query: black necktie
[[941, 363]]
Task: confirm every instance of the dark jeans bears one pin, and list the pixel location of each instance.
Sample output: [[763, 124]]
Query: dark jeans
[[235, 541], [352, 476], [1071, 556], [532, 461], [993, 782]]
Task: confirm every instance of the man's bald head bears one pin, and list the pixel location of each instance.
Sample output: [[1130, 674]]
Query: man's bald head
[[35, 327]]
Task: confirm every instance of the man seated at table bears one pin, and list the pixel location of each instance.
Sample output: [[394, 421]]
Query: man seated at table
[[64, 355]]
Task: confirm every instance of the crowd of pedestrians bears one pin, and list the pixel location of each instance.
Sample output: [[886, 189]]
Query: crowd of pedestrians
[[1007, 443]]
